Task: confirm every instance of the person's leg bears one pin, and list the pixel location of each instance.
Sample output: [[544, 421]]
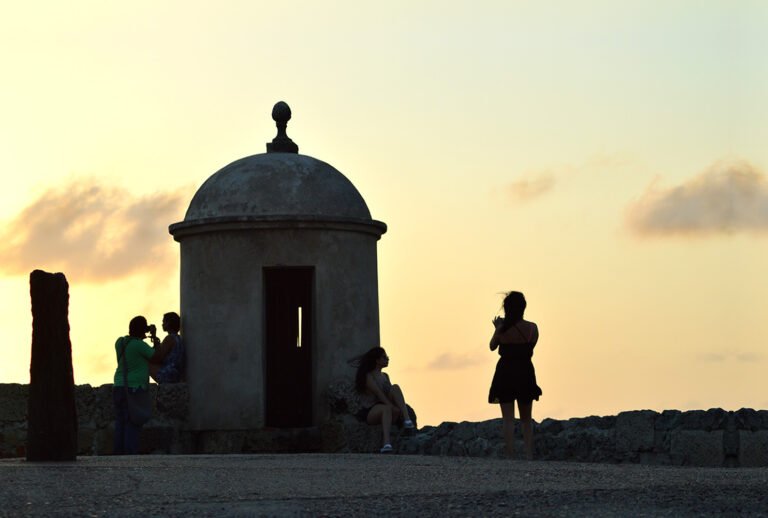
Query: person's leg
[[395, 414], [526, 423], [131, 431], [118, 400], [396, 396], [382, 414], [508, 417]]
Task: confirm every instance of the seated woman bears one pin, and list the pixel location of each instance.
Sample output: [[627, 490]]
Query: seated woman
[[167, 366], [382, 403]]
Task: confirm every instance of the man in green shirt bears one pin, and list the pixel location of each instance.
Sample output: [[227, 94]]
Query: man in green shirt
[[133, 355]]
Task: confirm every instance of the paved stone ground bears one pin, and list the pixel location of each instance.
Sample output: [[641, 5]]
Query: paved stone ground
[[378, 485]]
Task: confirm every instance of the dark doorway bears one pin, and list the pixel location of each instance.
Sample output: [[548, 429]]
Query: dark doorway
[[288, 311]]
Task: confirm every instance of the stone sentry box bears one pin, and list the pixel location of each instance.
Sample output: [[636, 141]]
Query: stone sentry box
[[279, 288]]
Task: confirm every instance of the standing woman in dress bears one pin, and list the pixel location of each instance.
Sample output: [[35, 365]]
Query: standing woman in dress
[[515, 377]]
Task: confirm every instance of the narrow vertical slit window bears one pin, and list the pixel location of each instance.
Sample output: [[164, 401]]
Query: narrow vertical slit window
[[298, 327]]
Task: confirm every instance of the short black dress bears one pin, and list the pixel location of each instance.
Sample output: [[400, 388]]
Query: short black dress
[[515, 377]]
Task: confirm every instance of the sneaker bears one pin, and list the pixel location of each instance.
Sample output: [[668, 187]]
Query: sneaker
[[408, 424], [387, 448]]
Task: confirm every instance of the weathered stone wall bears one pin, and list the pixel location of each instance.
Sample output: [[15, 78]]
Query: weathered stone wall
[[164, 433], [712, 437]]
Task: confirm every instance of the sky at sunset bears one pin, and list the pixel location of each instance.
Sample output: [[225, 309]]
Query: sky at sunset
[[609, 159]]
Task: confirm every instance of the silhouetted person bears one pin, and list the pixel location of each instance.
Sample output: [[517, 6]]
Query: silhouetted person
[[515, 377], [133, 355], [382, 403], [167, 365]]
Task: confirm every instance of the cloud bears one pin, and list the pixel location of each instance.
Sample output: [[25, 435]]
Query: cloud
[[450, 361], [530, 187], [730, 196], [536, 183], [92, 233]]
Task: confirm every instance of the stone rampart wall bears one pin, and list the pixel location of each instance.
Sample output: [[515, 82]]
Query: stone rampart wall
[[712, 437], [164, 433]]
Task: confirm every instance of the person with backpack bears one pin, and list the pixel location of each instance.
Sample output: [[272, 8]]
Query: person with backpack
[[132, 403], [168, 364]]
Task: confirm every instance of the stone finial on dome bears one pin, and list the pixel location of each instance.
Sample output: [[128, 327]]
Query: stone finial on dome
[[281, 114]]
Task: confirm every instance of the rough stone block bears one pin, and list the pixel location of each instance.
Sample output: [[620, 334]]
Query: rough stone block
[[731, 443], [445, 428], [342, 397], [549, 446], [13, 402], [477, 447], [662, 440], [104, 440], [749, 419], [440, 446], [603, 444], [587, 445], [347, 434], [753, 448], [712, 419], [594, 421], [549, 426], [13, 441], [420, 442], [360, 437], [184, 443], [464, 431], [85, 440], [655, 459], [490, 429], [697, 447], [173, 400], [103, 411], [427, 429], [667, 420], [409, 447], [635, 431], [300, 440], [333, 439], [456, 449], [219, 442], [156, 438], [84, 403]]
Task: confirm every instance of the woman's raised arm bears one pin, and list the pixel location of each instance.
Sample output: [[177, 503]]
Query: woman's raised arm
[[494, 339]]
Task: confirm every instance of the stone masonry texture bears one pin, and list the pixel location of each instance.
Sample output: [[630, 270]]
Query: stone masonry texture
[[711, 438]]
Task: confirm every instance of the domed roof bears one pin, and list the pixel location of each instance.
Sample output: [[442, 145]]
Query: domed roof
[[277, 189], [274, 185]]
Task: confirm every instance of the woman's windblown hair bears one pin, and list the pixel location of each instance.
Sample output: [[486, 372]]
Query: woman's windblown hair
[[514, 307], [365, 363]]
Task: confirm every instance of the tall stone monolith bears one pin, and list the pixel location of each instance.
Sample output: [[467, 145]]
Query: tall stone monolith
[[51, 412]]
